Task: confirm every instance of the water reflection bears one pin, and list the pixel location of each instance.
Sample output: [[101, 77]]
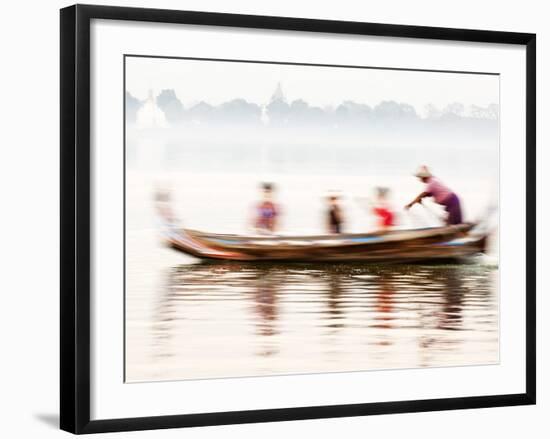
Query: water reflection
[[231, 319]]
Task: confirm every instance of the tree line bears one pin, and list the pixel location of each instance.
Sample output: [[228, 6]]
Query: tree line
[[299, 113]]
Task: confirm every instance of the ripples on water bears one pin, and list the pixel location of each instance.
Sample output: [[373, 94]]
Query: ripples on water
[[231, 319]]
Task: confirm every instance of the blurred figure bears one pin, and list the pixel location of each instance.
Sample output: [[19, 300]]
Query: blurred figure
[[335, 217], [163, 206], [266, 211], [382, 209], [440, 193]]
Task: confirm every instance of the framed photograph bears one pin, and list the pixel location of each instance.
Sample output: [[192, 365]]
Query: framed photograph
[[272, 218]]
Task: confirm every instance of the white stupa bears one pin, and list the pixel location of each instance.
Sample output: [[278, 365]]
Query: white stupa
[[150, 115], [277, 97], [278, 94]]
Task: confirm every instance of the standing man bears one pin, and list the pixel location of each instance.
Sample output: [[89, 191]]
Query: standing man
[[440, 193]]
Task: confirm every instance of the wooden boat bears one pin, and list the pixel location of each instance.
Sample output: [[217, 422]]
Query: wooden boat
[[391, 246]]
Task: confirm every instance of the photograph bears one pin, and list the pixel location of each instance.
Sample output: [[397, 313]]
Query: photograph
[[284, 218]]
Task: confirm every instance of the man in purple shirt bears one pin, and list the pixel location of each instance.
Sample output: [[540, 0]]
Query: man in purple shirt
[[441, 195]]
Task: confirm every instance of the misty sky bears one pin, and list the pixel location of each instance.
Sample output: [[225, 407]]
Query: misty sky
[[217, 81]]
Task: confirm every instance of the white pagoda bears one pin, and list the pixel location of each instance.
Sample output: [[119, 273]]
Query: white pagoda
[[150, 115]]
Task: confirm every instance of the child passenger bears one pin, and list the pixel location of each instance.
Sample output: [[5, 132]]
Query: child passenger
[[382, 209]]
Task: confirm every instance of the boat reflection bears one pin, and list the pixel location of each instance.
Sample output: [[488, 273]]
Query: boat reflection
[[245, 319]]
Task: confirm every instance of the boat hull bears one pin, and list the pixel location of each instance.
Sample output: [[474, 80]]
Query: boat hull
[[399, 246]]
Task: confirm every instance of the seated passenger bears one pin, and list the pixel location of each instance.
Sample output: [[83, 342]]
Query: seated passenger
[[382, 209], [266, 211], [335, 217]]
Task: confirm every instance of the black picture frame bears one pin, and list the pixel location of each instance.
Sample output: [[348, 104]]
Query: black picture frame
[[75, 217]]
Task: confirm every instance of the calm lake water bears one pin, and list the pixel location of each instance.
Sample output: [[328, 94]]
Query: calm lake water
[[227, 320], [191, 320]]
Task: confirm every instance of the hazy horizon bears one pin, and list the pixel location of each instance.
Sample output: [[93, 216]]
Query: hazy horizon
[[217, 82]]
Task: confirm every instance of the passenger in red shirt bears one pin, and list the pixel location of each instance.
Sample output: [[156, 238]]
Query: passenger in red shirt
[[382, 209]]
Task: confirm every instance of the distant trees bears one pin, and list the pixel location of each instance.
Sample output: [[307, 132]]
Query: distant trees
[[238, 111], [391, 110], [168, 102], [234, 111], [351, 113], [201, 112], [132, 105], [457, 111], [301, 113], [432, 112], [278, 112], [490, 112]]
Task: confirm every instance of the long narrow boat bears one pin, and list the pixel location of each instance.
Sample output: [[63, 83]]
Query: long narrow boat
[[391, 246]]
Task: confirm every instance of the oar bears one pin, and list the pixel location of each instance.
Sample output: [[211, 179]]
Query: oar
[[420, 221], [430, 211], [434, 214]]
